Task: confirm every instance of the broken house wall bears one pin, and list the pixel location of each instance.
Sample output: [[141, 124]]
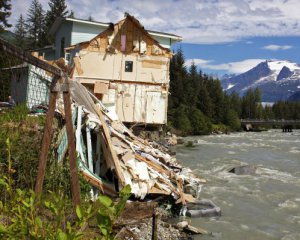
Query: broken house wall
[[134, 67], [38, 87], [30, 85]]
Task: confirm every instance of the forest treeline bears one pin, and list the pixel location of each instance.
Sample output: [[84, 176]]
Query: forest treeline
[[198, 104], [32, 27]]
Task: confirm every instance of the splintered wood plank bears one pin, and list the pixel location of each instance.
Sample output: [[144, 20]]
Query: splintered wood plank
[[105, 188], [110, 146], [151, 164]]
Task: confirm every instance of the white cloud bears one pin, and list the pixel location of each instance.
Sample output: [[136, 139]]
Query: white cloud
[[201, 21], [273, 47], [231, 67]]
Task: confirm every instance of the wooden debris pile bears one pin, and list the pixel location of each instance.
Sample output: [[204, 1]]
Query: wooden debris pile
[[111, 156]]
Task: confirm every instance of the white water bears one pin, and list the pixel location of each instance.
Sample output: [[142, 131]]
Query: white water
[[263, 206]]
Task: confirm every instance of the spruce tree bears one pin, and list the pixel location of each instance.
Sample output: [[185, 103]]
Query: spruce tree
[[58, 8], [36, 24], [5, 12], [20, 32]]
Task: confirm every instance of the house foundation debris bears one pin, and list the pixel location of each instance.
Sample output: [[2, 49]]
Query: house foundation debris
[[111, 156]]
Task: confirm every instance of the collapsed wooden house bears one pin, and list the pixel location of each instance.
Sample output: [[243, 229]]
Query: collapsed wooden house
[[127, 69], [110, 156]]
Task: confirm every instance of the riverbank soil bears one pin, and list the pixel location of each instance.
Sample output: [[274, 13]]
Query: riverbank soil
[[136, 222]]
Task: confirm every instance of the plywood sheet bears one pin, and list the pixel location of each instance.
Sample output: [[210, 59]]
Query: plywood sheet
[[153, 63], [155, 108], [100, 87]]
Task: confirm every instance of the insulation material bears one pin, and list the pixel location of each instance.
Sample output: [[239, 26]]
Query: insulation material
[[100, 87], [143, 47], [156, 50], [136, 46], [125, 107], [123, 43]]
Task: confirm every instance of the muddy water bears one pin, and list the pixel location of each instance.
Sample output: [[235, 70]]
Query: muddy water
[[261, 207]]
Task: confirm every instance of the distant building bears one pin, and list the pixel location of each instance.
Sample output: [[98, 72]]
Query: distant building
[[29, 84]]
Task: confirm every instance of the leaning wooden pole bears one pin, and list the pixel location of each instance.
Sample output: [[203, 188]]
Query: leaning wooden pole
[[48, 130], [71, 146]]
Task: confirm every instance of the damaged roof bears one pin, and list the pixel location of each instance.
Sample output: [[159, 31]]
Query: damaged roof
[[60, 20]]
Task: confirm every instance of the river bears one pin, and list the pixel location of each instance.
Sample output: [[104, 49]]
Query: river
[[262, 206]]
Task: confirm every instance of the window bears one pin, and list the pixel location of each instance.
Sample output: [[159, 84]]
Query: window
[[128, 66], [62, 47]]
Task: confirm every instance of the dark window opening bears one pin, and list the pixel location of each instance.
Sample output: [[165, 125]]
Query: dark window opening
[[128, 66], [62, 47]]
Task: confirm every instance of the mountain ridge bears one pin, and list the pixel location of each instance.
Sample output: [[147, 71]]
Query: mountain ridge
[[277, 80]]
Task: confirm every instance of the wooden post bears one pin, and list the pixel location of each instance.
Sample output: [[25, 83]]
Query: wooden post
[[46, 143], [154, 226], [71, 149]]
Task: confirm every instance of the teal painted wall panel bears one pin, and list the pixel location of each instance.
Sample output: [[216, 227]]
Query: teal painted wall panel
[[65, 31], [165, 42], [83, 32]]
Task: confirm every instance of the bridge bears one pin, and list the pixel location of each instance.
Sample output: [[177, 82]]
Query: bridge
[[286, 125]]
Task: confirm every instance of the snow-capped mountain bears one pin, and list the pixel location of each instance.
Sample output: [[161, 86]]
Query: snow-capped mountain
[[277, 80]]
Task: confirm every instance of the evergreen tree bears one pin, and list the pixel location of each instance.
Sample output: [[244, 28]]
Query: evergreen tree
[[178, 75], [232, 120], [71, 14], [58, 8], [200, 123], [235, 103], [192, 86], [204, 102], [5, 12], [36, 24], [20, 32]]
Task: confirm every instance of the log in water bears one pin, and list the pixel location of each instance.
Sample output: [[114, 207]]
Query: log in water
[[260, 206]]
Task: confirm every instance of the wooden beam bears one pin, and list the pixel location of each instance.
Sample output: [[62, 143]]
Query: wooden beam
[[71, 149], [101, 185], [27, 57], [46, 143]]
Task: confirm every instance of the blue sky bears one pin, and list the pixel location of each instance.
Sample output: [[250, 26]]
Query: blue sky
[[220, 36], [240, 56]]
